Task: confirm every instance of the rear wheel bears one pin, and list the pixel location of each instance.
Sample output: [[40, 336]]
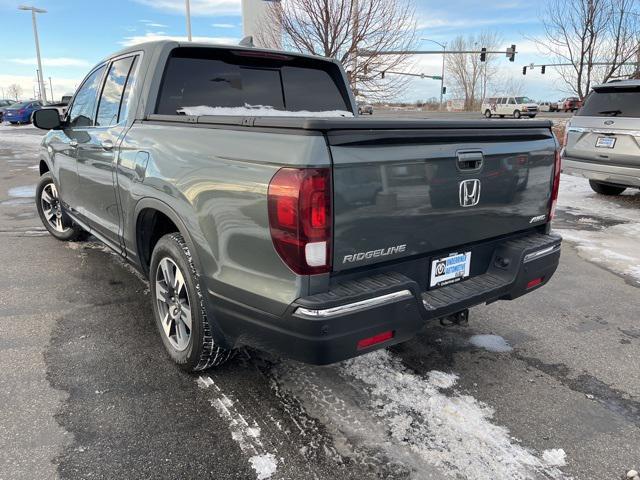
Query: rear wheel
[[178, 307], [51, 211], [517, 114], [606, 189], [487, 113]]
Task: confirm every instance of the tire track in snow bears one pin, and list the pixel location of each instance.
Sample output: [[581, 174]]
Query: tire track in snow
[[245, 432]]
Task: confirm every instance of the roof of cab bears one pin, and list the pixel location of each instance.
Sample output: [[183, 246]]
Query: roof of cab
[[618, 84], [148, 47]]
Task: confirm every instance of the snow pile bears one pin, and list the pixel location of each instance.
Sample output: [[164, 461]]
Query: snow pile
[[491, 343], [555, 457], [258, 111], [452, 432], [244, 430]]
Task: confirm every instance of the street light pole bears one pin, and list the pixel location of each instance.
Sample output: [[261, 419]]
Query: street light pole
[[444, 50], [35, 10], [188, 8]]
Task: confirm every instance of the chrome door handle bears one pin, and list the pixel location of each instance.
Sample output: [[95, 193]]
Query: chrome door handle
[[106, 144], [73, 143]]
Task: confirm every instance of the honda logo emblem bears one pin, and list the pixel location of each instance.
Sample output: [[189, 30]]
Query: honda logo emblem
[[469, 193]]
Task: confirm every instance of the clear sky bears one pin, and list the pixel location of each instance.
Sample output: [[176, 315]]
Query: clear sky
[[76, 34]]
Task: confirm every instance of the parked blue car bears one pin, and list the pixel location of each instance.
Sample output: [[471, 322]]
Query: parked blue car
[[21, 112]]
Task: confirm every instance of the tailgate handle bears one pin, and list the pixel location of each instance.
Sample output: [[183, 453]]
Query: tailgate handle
[[470, 161]]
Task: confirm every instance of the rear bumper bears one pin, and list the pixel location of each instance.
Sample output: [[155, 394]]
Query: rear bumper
[[615, 174], [326, 328]]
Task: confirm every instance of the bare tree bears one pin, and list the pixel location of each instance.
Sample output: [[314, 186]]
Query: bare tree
[[504, 86], [585, 33], [340, 28], [470, 76], [14, 91]]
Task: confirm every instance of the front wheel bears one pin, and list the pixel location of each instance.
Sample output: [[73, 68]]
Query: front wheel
[[606, 189], [517, 114], [487, 113], [178, 307], [51, 212]]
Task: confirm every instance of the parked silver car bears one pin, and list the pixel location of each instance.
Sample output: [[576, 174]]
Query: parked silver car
[[602, 141]]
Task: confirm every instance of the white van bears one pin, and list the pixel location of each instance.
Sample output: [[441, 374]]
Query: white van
[[516, 106]]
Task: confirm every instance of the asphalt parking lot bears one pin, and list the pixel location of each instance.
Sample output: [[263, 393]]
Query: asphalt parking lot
[[547, 386]]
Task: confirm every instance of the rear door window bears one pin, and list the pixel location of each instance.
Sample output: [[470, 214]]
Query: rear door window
[[220, 78], [612, 102]]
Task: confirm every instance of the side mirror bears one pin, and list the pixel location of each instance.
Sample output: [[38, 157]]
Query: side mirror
[[47, 119]]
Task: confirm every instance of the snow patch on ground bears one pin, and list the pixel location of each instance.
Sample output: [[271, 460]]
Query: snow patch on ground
[[615, 248], [264, 465], [492, 343], [453, 432], [244, 430], [28, 191], [576, 196], [259, 111], [555, 457]]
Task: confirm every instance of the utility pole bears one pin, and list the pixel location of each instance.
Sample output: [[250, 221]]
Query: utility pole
[[39, 85], [355, 18], [188, 9], [444, 54], [51, 88], [35, 10]]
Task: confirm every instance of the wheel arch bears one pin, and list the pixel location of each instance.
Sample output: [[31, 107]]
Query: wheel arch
[[148, 206]]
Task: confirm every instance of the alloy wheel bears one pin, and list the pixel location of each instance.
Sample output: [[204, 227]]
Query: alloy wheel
[[173, 304], [52, 208]]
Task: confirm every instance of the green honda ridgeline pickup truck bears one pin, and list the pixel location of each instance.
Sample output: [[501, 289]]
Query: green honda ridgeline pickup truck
[[266, 213]]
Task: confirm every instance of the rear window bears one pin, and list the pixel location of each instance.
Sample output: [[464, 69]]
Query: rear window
[[209, 77], [612, 102]]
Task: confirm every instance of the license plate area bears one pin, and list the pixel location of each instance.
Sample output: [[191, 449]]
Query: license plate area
[[605, 142], [450, 269]]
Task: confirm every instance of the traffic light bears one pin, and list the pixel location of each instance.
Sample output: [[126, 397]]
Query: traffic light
[[524, 70], [383, 72], [543, 69], [444, 90], [511, 53], [483, 54]]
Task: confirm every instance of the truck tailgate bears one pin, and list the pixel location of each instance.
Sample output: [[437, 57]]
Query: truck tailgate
[[404, 192]]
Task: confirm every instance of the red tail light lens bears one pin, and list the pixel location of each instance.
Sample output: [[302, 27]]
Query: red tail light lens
[[21, 112], [300, 218], [555, 188]]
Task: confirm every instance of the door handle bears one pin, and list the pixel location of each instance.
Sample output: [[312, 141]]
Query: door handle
[[106, 144], [73, 143]]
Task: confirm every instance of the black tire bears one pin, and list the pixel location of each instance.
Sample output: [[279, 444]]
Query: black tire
[[201, 351], [68, 229], [606, 189], [487, 113], [516, 114]]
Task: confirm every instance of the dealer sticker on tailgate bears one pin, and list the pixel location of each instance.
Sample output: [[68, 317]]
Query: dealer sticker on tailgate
[[450, 269]]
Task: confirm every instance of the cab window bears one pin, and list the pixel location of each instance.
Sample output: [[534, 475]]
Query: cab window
[[83, 108], [111, 100]]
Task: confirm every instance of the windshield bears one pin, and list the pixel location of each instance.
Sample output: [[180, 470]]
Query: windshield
[[523, 100], [612, 102]]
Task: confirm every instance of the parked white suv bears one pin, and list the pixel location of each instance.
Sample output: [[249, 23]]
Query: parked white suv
[[602, 141], [516, 106]]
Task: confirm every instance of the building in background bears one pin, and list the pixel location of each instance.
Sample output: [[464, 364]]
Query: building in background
[[255, 19]]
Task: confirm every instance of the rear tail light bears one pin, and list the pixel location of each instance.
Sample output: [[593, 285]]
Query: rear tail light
[[21, 112], [555, 188], [300, 218]]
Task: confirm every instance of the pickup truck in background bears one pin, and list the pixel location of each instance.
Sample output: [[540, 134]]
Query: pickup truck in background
[[61, 106], [266, 213]]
